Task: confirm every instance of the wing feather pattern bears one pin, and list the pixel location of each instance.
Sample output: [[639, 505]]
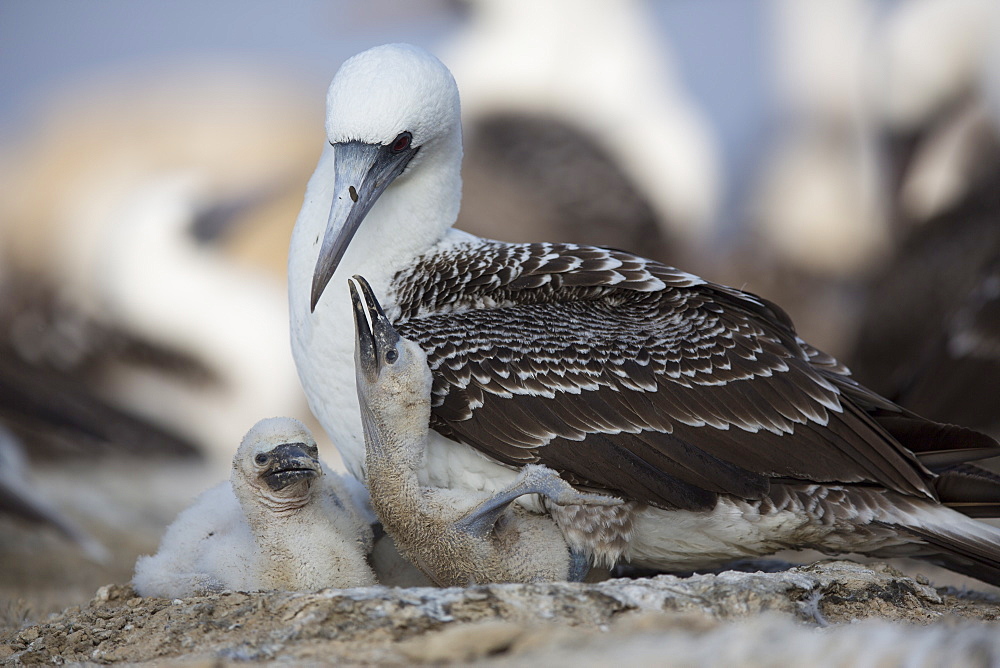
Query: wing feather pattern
[[634, 377]]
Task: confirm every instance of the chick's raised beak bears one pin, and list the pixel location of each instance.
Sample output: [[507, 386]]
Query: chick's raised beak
[[375, 334]]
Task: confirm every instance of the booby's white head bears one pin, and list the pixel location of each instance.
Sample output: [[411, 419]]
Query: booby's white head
[[389, 109], [275, 466], [388, 90]]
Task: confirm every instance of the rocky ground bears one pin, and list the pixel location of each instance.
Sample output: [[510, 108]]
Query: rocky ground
[[833, 613], [828, 614]]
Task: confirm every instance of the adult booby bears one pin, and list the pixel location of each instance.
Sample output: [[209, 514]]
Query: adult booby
[[282, 521], [727, 434], [454, 537]]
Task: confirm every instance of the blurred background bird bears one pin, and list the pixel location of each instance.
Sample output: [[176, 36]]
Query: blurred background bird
[[929, 334], [839, 157], [552, 116]]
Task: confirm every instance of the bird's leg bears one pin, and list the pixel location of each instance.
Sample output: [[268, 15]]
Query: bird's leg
[[579, 566], [533, 479]]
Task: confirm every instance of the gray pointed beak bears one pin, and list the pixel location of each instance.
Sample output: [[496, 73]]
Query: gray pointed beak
[[362, 173], [375, 334]]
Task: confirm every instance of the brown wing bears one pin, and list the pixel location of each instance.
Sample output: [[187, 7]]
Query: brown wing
[[634, 377]]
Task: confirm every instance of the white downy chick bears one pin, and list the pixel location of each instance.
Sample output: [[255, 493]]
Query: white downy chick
[[283, 521]]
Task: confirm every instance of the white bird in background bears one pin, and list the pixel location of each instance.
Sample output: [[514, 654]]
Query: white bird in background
[[929, 85], [525, 61], [930, 53], [818, 204], [160, 283], [103, 205], [930, 333], [727, 434], [814, 214]]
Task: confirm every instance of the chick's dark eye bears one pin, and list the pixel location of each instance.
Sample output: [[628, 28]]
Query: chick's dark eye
[[401, 142], [391, 355], [261, 459]]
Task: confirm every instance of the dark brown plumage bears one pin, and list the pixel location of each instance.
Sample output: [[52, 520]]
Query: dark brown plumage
[[681, 389]]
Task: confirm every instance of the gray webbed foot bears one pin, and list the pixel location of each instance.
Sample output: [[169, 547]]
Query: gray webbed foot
[[533, 479], [545, 481]]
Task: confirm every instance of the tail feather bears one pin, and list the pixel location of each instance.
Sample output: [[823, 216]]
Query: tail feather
[[934, 532], [972, 551], [939, 535], [926, 437], [939, 460], [946, 450], [969, 489]]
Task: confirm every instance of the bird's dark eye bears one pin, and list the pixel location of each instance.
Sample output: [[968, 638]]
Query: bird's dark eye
[[401, 142], [391, 355], [261, 459]]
